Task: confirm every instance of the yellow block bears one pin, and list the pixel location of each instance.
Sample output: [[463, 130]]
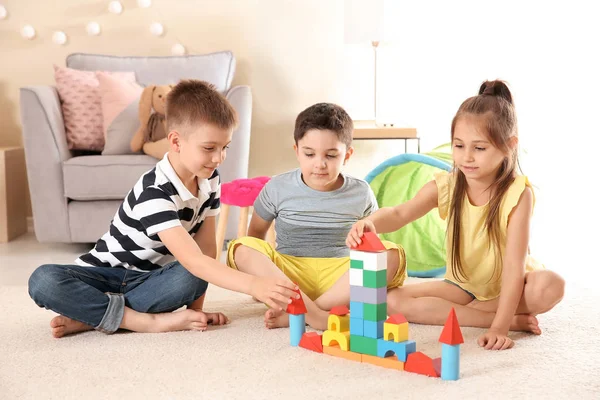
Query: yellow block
[[338, 324], [341, 338], [395, 332]]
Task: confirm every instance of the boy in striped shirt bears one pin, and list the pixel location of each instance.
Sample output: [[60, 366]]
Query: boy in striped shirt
[[159, 252]]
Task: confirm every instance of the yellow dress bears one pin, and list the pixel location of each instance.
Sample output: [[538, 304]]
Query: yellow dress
[[478, 259]]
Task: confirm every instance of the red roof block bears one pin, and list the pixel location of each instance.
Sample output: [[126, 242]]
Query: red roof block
[[451, 334], [370, 243], [297, 306], [340, 311], [396, 319], [312, 341], [420, 363]]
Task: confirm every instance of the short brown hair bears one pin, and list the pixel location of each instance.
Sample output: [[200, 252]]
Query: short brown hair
[[194, 102], [325, 116]]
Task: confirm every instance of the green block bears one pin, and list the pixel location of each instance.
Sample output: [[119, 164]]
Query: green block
[[374, 279], [375, 312], [358, 264], [363, 345]]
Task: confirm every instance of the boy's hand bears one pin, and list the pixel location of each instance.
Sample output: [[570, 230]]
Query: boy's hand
[[495, 340], [216, 318], [274, 292], [356, 232]]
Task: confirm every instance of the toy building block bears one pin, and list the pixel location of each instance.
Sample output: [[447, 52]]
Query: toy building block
[[338, 323], [401, 349], [370, 243], [356, 309], [387, 362], [342, 339], [372, 279], [451, 334], [297, 328], [420, 363], [357, 326], [356, 276], [437, 365], [312, 341], [339, 310], [356, 263], [368, 261], [450, 362], [395, 328], [297, 306], [363, 345], [368, 295], [373, 329], [337, 352], [375, 312]]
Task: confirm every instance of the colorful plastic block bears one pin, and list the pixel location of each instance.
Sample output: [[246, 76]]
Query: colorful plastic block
[[339, 310], [386, 348], [437, 365], [297, 328], [356, 277], [337, 352], [356, 309], [356, 264], [363, 345], [368, 295], [373, 329], [374, 279], [451, 334], [331, 338], [338, 323], [420, 363], [375, 312], [371, 261], [450, 362], [370, 242], [357, 326], [395, 332], [297, 306], [312, 341], [387, 362]]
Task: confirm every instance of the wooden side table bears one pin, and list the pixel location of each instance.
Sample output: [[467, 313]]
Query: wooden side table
[[364, 130], [13, 189]]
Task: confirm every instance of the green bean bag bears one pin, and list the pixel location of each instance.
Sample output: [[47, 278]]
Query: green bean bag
[[397, 180]]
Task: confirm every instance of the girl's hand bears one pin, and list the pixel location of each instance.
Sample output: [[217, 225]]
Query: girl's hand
[[356, 232], [495, 340], [274, 292]]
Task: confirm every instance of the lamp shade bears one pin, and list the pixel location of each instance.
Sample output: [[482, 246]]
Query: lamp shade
[[363, 21]]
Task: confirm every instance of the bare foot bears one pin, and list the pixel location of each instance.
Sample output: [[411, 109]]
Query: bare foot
[[525, 323], [276, 319], [186, 320], [61, 326]]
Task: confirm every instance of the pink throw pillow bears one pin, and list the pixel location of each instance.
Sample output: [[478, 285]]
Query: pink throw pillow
[[80, 101]]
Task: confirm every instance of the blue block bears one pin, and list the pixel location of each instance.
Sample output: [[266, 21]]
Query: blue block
[[356, 326], [356, 310], [450, 362], [297, 328], [373, 329], [387, 348]]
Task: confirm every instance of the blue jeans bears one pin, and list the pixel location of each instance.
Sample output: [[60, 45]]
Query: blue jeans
[[97, 296]]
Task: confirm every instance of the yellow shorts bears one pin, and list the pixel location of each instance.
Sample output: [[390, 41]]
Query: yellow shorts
[[314, 275]]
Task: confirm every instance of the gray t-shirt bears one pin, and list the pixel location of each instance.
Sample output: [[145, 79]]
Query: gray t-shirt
[[310, 223]]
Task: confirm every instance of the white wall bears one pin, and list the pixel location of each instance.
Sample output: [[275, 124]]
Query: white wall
[[547, 52]]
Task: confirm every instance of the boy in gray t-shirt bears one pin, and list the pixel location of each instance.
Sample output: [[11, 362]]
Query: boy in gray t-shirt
[[314, 208]]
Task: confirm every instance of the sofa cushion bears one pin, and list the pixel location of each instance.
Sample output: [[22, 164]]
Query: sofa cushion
[[216, 68], [104, 177]]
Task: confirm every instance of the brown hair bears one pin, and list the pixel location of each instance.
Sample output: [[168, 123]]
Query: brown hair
[[193, 102], [494, 105], [325, 116]]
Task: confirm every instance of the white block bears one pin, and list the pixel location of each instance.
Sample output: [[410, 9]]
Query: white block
[[371, 261], [356, 277]]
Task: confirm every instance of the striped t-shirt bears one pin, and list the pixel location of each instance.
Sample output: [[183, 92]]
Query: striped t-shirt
[[158, 201]]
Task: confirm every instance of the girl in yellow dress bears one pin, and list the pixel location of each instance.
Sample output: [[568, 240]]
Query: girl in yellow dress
[[491, 281]]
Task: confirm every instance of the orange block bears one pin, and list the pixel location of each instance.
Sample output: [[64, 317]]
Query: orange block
[[387, 362], [337, 352]]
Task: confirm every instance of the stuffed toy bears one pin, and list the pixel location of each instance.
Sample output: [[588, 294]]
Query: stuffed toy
[[151, 137]]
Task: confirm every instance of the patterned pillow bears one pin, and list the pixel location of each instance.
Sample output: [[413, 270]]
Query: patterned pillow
[[80, 101], [120, 101]]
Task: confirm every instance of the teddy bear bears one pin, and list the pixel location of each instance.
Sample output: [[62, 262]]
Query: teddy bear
[[151, 137]]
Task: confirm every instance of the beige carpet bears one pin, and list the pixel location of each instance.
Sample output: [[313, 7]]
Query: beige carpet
[[246, 361]]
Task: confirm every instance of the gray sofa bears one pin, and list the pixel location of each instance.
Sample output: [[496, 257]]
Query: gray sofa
[[74, 196]]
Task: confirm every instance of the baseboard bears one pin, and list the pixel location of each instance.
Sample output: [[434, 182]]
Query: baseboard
[[30, 224]]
